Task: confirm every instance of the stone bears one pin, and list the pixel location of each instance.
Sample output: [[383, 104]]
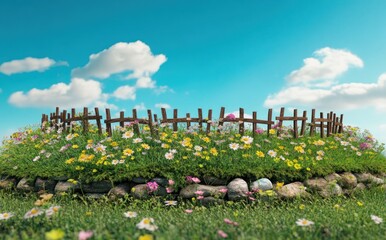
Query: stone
[[364, 177], [213, 181], [8, 183], [333, 177], [263, 184], [237, 189], [161, 181], [140, 192], [331, 189], [119, 191], [317, 184], [97, 187], [211, 201], [47, 185], [26, 184], [293, 190], [213, 191], [67, 187], [349, 180], [139, 180], [360, 187]]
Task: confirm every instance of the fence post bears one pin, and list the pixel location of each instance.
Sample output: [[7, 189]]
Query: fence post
[[64, 120], [295, 123], [304, 122], [150, 121], [254, 124], [341, 124], [156, 123], [135, 118], [312, 127], [98, 120], [241, 121], [108, 123], [269, 126], [221, 119], [321, 126], [209, 121], [85, 120], [200, 118], [188, 121]]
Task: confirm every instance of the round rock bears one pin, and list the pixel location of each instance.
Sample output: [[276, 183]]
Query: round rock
[[263, 184], [237, 189]]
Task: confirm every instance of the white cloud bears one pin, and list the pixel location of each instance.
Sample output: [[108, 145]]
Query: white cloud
[[341, 96], [28, 64], [60, 94], [145, 82], [322, 69], [163, 89], [140, 107], [125, 92], [135, 57], [162, 105]]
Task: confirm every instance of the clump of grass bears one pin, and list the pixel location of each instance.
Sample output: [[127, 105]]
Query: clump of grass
[[334, 218], [222, 153]]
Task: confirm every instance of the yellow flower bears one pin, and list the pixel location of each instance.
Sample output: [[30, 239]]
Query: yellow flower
[[272, 131], [289, 163], [260, 154], [360, 204], [114, 144], [145, 146], [90, 141], [79, 168], [200, 165], [70, 161], [302, 206], [279, 185], [297, 166], [46, 196], [146, 237], [128, 152], [206, 139], [94, 170], [55, 234], [299, 149], [213, 151], [89, 213]]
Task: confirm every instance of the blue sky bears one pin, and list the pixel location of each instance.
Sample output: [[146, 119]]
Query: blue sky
[[328, 55]]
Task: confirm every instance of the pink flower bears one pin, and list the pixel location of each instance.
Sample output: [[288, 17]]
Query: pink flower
[[200, 197], [84, 235], [169, 190], [198, 192], [231, 116], [171, 182], [222, 234], [188, 210], [152, 187], [251, 198], [230, 222], [223, 190], [191, 179], [259, 131]]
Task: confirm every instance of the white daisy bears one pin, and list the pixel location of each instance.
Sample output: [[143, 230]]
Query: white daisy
[[6, 215], [234, 146], [376, 219], [34, 212], [169, 155], [147, 223], [170, 203], [128, 134], [130, 214], [247, 139], [304, 222]]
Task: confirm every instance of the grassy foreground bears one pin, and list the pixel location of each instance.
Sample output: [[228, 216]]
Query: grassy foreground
[[335, 218]]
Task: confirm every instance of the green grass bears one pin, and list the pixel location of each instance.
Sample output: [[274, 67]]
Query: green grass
[[262, 220], [91, 157]]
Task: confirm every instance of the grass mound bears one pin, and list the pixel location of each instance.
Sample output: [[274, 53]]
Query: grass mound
[[222, 153]]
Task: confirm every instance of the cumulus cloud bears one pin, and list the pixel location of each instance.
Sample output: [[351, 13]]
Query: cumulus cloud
[[135, 57], [162, 105], [140, 107], [28, 64], [60, 94], [322, 69], [341, 96], [125, 92], [145, 82]]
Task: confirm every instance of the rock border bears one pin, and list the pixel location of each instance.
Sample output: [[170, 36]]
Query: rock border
[[212, 192]]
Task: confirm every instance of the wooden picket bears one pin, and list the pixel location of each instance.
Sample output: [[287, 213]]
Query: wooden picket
[[295, 120]]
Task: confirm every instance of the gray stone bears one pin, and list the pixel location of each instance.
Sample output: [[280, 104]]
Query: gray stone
[[317, 184], [213, 181], [119, 191], [213, 191], [369, 179], [349, 181], [293, 190], [97, 187], [263, 184], [211, 201], [360, 187], [60, 178], [333, 177], [139, 180], [331, 189], [161, 181], [47, 185], [8, 183], [237, 189], [140, 191], [67, 187], [26, 184]]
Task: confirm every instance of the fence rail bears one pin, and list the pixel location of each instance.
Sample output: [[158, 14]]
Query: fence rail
[[332, 123]]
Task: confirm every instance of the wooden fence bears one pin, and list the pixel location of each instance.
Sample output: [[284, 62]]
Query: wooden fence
[[332, 123]]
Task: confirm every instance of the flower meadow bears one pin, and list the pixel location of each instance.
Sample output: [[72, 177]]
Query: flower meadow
[[183, 157]]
